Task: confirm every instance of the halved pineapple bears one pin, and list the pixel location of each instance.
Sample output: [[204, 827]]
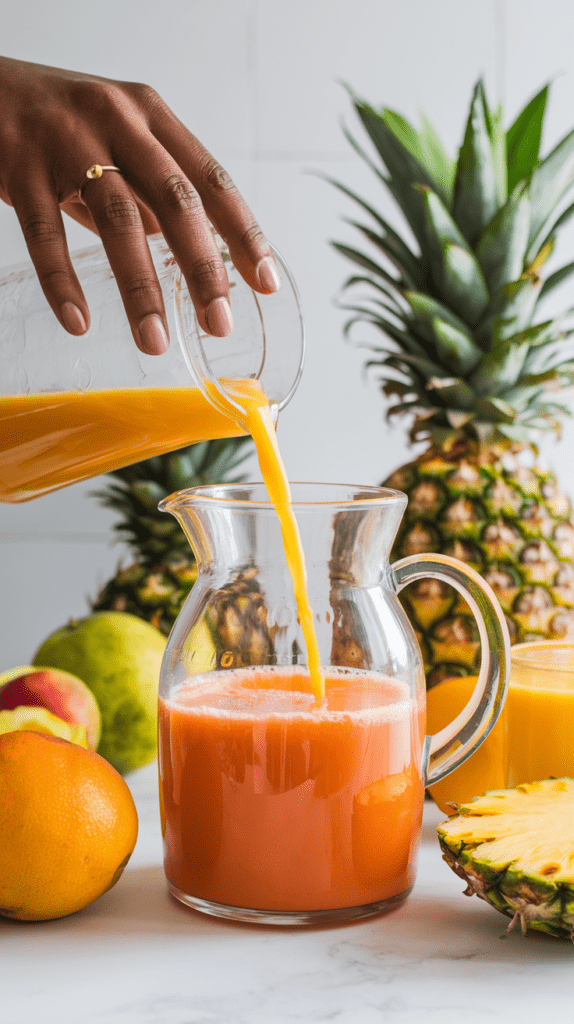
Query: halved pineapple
[[515, 849]]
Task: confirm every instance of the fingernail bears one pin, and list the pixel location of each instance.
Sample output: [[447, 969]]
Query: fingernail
[[219, 317], [73, 318], [268, 275], [153, 337]]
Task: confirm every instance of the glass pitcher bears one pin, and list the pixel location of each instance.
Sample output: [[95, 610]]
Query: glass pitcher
[[277, 808], [73, 407]]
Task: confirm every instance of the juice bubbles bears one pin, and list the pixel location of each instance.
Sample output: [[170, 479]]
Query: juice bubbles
[[272, 802], [540, 712]]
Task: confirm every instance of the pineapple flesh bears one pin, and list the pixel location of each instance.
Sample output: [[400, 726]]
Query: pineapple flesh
[[515, 849], [471, 355]]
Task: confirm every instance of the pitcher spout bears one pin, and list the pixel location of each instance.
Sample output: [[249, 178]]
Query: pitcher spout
[[349, 531]]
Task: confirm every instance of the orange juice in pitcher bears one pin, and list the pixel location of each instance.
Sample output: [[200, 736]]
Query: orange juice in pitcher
[[275, 803], [292, 755], [49, 440]]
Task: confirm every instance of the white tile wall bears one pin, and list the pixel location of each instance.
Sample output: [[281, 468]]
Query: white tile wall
[[257, 81], [402, 55]]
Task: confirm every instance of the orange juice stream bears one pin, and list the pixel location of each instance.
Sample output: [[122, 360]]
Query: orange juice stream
[[260, 426]]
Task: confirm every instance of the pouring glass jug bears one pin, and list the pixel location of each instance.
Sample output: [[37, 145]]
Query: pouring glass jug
[[71, 408], [276, 808]]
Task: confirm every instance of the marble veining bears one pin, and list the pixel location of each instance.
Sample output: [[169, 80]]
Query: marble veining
[[136, 956]]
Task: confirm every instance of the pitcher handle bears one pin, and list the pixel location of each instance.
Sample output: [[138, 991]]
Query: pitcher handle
[[447, 749]]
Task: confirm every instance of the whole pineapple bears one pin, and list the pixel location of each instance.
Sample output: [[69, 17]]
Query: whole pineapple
[[470, 356], [164, 569]]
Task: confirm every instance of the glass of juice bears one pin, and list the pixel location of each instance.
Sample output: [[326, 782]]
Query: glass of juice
[[293, 766], [74, 407], [540, 711]]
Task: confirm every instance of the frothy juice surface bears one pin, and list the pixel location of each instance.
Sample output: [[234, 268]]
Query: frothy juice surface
[[273, 802]]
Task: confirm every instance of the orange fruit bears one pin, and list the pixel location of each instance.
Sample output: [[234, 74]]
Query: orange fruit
[[487, 767], [68, 826]]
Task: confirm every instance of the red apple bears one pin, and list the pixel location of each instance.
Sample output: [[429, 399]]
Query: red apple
[[59, 692]]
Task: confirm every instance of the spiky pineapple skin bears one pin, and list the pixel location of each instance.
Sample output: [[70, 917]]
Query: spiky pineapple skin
[[154, 593], [512, 524], [236, 615], [538, 902], [156, 583], [537, 907]]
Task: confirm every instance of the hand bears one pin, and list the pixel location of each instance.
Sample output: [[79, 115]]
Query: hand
[[54, 125]]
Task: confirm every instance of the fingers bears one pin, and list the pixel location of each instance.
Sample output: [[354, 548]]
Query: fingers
[[221, 200], [171, 183], [80, 213], [43, 229], [178, 208], [228, 211], [75, 208], [114, 213], [116, 216]]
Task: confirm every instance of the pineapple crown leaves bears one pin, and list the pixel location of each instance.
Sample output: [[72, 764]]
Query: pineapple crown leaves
[[469, 357], [135, 491]]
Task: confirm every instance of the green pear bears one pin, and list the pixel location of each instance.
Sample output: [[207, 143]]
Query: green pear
[[118, 656]]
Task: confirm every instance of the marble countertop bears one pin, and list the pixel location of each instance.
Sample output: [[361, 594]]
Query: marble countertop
[[137, 956]]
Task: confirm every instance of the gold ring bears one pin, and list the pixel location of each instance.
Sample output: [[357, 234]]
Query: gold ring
[[95, 171]]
